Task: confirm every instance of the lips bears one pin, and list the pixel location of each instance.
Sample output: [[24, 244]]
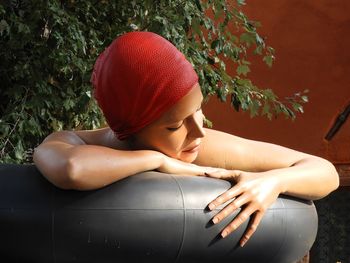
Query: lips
[[192, 149]]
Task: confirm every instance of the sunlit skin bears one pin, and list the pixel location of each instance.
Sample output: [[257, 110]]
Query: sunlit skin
[[177, 143]]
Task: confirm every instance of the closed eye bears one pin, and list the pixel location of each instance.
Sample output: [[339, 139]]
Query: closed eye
[[178, 127], [175, 128]]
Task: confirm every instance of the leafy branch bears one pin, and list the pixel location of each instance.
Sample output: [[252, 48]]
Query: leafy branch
[[48, 49]]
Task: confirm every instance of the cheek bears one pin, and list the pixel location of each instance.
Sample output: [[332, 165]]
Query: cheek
[[169, 143], [176, 141], [173, 143]]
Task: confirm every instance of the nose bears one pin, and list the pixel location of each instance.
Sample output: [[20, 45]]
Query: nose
[[195, 128]]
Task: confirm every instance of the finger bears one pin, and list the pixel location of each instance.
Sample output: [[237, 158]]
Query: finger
[[253, 225], [223, 198], [213, 172], [216, 173], [230, 208], [223, 173], [240, 219]]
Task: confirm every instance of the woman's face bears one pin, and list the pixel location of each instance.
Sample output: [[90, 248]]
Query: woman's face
[[178, 132]]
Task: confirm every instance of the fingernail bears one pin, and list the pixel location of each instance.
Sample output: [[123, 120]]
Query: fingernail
[[242, 243], [215, 220], [211, 206], [224, 234]]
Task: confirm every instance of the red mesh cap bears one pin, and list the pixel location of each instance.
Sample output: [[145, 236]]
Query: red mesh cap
[[139, 77]]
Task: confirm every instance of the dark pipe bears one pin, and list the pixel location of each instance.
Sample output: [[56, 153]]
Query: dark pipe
[[149, 217], [338, 123]]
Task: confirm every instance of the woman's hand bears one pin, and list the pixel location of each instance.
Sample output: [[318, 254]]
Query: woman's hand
[[174, 166], [253, 193]]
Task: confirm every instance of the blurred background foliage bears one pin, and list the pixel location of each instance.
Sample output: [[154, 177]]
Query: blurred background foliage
[[48, 48]]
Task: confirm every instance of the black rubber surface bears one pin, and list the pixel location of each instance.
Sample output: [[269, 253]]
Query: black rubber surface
[[149, 217]]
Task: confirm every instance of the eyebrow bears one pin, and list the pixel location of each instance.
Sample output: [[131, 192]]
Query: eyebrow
[[171, 121]]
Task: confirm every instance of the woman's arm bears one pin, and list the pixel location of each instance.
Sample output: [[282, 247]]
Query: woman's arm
[[295, 173], [261, 171], [67, 161], [85, 160]]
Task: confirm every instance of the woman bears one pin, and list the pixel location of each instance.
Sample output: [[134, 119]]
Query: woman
[[150, 96]]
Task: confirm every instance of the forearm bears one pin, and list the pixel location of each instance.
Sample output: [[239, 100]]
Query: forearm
[[311, 178], [86, 167]]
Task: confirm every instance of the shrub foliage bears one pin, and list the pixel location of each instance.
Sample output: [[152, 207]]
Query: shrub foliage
[[48, 48]]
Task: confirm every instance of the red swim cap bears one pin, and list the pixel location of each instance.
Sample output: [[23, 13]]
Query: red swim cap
[[139, 77]]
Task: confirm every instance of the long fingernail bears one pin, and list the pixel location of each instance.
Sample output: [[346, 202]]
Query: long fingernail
[[224, 234], [215, 220], [211, 206]]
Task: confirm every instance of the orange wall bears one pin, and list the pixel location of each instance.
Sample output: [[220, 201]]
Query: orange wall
[[312, 43]]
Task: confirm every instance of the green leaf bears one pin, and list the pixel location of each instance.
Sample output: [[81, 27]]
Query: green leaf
[[19, 152], [241, 2], [207, 122], [254, 108], [268, 60], [23, 28], [236, 104], [266, 110], [4, 26], [243, 70], [298, 107], [215, 43], [247, 38], [304, 98]]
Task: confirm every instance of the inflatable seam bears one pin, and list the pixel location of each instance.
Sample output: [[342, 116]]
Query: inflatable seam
[[284, 236], [53, 236], [184, 219]]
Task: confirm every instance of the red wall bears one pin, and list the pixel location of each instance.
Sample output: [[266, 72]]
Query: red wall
[[312, 43]]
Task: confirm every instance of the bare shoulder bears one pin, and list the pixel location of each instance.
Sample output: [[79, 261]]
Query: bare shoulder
[[215, 147], [104, 137], [220, 149]]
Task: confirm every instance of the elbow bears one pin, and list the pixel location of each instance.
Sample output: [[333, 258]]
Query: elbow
[[327, 181], [333, 177], [69, 178], [63, 172], [72, 179]]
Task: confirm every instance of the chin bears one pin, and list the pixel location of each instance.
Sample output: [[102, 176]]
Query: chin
[[188, 157]]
